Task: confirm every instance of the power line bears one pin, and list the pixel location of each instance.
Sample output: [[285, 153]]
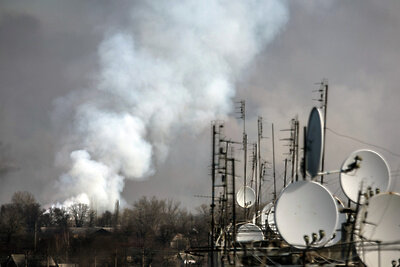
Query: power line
[[363, 142]]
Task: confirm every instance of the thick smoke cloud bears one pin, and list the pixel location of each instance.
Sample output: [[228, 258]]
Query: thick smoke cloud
[[172, 68], [52, 72]]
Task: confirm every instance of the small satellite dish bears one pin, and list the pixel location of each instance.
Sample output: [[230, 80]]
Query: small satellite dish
[[341, 219], [249, 233], [373, 172], [264, 214], [254, 218], [314, 142], [271, 220], [246, 197], [306, 214], [379, 224]]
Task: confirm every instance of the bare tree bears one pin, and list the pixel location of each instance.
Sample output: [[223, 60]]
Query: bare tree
[[59, 217], [23, 198], [80, 212], [26, 204], [11, 221], [105, 219]]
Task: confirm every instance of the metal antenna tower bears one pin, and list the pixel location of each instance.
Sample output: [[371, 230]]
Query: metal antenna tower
[[212, 239], [293, 147], [259, 165], [242, 112]]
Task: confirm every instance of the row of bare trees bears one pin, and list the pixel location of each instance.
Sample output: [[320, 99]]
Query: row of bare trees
[[144, 231]]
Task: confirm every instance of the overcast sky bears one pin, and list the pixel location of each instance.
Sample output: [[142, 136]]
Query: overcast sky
[[49, 53]]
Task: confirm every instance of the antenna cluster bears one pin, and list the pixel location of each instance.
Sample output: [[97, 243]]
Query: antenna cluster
[[305, 216]]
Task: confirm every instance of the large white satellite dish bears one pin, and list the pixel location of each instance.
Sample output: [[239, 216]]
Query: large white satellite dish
[[306, 208], [264, 214], [314, 142], [249, 233], [373, 172], [379, 222], [246, 197], [342, 218]]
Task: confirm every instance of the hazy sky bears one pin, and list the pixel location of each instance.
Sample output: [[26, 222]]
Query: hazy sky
[[49, 58]]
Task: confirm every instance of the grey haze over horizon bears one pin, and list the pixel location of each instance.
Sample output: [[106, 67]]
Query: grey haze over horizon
[[49, 51]]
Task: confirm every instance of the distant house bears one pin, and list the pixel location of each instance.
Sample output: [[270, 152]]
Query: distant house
[[179, 242], [77, 232], [18, 260], [85, 232], [21, 260]]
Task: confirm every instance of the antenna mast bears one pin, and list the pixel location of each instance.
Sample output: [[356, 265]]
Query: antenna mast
[[325, 86], [323, 99], [214, 133], [296, 146], [260, 165], [243, 117], [273, 160]]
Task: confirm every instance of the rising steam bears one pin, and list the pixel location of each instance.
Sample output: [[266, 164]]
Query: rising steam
[[174, 67]]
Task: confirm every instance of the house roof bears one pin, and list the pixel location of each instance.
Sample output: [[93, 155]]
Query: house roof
[[18, 259]]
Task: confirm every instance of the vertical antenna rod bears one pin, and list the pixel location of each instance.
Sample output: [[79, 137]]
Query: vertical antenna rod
[[234, 210], [243, 113], [325, 84], [304, 166], [284, 177], [214, 133], [293, 147], [226, 194], [255, 174], [296, 124], [260, 165], [273, 160]]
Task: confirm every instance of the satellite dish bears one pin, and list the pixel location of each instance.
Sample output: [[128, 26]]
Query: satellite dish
[[249, 233], [306, 208], [271, 220], [264, 214], [246, 197], [373, 172], [314, 142], [379, 223], [342, 218], [254, 218]]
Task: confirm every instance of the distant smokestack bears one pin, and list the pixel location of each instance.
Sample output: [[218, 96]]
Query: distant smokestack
[[116, 214]]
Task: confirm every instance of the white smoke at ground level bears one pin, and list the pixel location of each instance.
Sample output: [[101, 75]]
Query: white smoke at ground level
[[174, 67]]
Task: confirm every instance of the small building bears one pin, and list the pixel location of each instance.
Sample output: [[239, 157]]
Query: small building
[[22, 260], [179, 242]]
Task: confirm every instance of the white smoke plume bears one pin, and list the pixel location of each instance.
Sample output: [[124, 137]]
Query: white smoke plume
[[173, 68]]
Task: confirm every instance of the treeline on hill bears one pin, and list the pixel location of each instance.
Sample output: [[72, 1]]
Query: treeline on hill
[[151, 232]]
